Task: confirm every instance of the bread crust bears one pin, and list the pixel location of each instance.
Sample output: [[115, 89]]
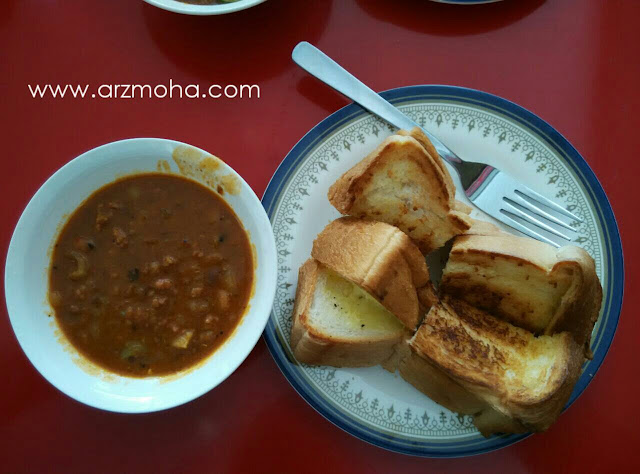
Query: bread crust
[[431, 151], [408, 146], [478, 227], [470, 360], [579, 307], [313, 347], [445, 391], [475, 350], [382, 260]]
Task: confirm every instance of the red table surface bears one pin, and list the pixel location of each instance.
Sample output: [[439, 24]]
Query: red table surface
[[574, 63]]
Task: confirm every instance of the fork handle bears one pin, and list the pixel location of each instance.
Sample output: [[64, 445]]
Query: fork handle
[[321, 66]]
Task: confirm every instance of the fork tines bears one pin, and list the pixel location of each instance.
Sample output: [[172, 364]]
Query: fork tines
[[538, 217]]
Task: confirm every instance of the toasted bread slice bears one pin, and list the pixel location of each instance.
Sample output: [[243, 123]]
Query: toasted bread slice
[[525, 379], [444, 390], [478, 227], [528, 283], [381, 259], [429, 379], [337, 323], [404, 184]]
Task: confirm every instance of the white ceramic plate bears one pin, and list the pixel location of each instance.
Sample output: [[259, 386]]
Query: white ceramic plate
[[26, 279], [191, 9], [371, 403]]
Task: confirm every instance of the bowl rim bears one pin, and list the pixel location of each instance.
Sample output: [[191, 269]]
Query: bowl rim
[[268, 260], [203, 10]]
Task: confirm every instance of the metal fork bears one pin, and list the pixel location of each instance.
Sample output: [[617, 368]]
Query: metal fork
[[493, 191]]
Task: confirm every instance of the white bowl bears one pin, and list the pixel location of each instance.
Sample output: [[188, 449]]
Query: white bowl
[[190, 9], [26, 282]]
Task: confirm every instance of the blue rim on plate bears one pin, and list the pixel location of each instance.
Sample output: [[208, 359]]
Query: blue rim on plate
[[613, 266]]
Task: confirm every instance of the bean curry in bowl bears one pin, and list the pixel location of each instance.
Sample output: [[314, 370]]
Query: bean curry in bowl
[[150, 275]]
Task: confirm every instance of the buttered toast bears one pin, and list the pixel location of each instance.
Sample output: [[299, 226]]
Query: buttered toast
[[504, 338], [403, 182], [337, 323], [484, 364], [365, 289], [525, 282], [381, 259]]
